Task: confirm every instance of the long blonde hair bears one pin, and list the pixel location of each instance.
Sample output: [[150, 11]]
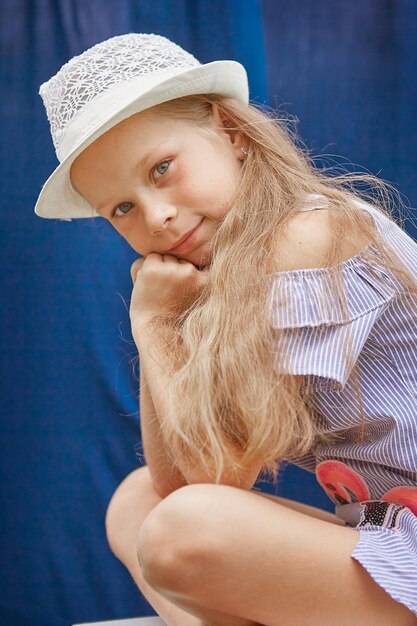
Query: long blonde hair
[[230, 399]]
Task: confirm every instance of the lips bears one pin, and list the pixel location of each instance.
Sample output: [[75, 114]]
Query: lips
[[184, 239]]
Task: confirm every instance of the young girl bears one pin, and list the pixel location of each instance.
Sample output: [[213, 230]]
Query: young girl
[[274, 311]]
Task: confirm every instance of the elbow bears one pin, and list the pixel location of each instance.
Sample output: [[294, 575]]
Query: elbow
[[244, 480], [163, 489], [166, 482], [165, 485]]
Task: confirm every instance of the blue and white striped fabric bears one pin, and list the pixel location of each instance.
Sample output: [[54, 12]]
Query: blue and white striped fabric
[[373, 481]]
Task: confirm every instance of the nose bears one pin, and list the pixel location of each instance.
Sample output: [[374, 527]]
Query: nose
[[157, 214]]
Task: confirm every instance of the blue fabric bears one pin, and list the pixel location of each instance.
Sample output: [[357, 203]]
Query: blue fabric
[[69, 406], [68, 392], [347, 71]]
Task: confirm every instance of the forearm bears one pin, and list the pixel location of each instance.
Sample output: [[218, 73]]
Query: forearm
[[152, 345], [165, 478]]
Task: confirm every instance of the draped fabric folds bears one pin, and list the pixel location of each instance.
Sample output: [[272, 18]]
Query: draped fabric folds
[[346, 72], [69, 398], [69, 388]]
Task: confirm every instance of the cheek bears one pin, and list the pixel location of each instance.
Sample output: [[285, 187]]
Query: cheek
[[229, 175], [216, 190], [226, 197], [131, 235]]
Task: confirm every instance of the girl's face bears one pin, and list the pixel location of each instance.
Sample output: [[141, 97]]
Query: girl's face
[[157, 178]]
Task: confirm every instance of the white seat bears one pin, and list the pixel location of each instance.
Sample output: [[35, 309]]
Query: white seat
[[137, 621]]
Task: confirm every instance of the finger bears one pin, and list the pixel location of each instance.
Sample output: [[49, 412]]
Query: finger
[[135, 268], [133, 274], [139, 262], [169, 258]]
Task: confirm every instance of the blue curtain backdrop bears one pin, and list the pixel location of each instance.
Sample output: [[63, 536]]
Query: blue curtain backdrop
[[347, 71], [70, 424], [69, 398]]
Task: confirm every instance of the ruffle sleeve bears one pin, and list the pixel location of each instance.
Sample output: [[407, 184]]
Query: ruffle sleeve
[[322, 336]]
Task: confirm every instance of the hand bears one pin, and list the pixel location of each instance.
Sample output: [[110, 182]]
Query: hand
[[163, 283]]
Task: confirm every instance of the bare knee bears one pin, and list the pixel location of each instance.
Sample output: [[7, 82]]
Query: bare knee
[[128, 489], [130, 504], [174, 539]]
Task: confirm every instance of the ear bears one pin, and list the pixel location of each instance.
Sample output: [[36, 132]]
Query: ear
[[227, 127]]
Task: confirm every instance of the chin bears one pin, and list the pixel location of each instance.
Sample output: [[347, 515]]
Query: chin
[[200, 257]]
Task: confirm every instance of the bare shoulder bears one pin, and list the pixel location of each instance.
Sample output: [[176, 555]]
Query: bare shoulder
[[308, 237]]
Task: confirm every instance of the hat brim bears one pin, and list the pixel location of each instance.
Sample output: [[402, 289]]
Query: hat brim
[[58, 199]]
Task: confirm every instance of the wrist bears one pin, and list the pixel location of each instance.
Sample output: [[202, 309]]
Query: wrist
[[143, 324], [151, 325]]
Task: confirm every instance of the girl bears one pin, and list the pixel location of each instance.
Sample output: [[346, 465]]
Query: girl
[[274, 312]]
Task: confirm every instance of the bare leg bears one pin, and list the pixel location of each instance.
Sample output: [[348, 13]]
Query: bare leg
[[244, 555], [133, 500]]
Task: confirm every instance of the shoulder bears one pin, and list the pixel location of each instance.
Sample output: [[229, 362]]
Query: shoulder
[[308, 237]]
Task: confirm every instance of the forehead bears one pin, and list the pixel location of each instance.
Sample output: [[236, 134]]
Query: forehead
[[147, 124], [131, 142], [142, 131]]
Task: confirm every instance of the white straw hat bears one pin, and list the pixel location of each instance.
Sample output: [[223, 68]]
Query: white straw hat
[[107, 84]]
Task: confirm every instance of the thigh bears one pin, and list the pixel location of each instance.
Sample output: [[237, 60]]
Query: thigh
[[255, 558], [312, 511]]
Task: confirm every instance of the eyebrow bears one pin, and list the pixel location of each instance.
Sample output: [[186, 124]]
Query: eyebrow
[[141, 161]]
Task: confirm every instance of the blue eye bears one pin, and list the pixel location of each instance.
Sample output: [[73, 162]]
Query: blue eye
[[124, 212], [162, 164]]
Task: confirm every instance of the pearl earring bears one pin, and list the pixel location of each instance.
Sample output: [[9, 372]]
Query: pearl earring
[[245, 151]]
